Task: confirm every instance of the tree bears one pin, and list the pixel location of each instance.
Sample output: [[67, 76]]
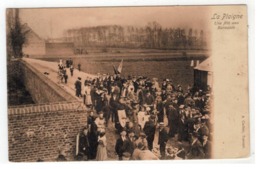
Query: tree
[[17, 36], [165, 38], [153, 30]]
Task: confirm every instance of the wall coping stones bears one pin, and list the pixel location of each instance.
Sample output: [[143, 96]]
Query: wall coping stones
[[58, 89], [47, 107]]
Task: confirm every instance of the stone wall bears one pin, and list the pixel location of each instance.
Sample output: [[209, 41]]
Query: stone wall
[[41, 131], [42, 89]]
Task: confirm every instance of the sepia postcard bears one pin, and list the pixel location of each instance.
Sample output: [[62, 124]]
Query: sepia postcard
[[127, 83]]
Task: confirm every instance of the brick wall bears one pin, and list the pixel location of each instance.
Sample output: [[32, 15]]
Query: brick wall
[[40, 131], [42, 89]]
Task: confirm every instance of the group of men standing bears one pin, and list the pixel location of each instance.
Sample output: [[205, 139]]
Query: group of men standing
[[141, 110], [140, 107]]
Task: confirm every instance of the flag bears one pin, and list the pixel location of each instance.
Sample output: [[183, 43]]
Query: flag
[[119, 69], [115, 70]]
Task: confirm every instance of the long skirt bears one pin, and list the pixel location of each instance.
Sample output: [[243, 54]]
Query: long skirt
[[101, 153], [88, 100]]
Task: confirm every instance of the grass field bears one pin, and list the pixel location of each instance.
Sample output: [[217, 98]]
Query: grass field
[[174, 66]]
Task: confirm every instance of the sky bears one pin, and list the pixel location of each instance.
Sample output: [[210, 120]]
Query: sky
[[52, 22]]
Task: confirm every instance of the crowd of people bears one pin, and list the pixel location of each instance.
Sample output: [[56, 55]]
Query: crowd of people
[[153, 121]]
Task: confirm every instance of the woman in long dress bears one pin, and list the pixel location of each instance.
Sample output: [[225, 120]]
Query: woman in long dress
[[100, 122], [88, 96], [102, 147]]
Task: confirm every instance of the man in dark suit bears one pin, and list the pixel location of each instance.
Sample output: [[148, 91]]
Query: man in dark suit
[[203, 130], [93, 95], [79, 67], [173, 119], [149, 130], [164, 84], [196, 149], [78, 87], [122, 144], [162, 140], [93, 140], [71, 70], [180, 98], [183, 128], [115, 92], [206, 145], [132, 139], [160, 109], [149, 99], [84, 144]]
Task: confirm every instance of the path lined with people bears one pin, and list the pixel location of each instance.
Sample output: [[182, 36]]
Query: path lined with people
[[136, 117], [50, 69]]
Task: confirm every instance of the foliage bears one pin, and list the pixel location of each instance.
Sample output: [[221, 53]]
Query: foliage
[[152, 36], [17, 36]]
